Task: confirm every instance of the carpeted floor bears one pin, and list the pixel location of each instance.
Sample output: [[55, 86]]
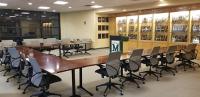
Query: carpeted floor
[[184, 84]]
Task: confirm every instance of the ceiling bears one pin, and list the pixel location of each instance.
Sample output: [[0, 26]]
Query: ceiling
[[77, 5], [109, 6]]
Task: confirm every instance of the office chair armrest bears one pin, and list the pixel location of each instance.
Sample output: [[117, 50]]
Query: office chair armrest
[[196, 51], [15, 59], [39, 73], [134, 62], [101, 66]]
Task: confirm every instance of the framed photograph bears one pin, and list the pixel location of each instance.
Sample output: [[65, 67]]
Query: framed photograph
[[99, 36]]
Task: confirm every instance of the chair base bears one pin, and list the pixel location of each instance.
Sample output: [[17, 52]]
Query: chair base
[[186, 65], [108, 87], [150, 73], [168, 69], [196, 64], [19, 75], [133, 78], [45, 94]]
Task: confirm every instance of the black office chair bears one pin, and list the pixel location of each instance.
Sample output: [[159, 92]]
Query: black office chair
[[187, 56], [29, 75], [151, 61], [66, 49], [111, 70], [6, 61], [1, 56], [133, 65], [194, 53], [169, 58], [42, 79], [16, 64]]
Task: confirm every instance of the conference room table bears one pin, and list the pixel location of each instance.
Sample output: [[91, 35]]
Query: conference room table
[[74, 44], [55, 64]]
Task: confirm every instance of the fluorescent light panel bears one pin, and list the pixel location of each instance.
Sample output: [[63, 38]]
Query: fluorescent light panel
[[43, 7], [30, 3], [3, 4], [96, 6], [60, 2]]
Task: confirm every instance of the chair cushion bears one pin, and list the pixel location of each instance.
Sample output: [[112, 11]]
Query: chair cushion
[[49, 79], [102, 71]]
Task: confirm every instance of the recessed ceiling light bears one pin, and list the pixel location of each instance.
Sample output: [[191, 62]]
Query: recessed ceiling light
[[124, 10], [3, 4], [29, 3], [60, 2], [92, 2], [19, 8], [25, 13], [43, 7], [43, 16], [12, 16], [96, 6], [163, 4], [54, 10], [69, 7]]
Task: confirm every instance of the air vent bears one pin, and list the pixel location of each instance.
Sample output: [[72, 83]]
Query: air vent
[[88, 5], [135, 0]]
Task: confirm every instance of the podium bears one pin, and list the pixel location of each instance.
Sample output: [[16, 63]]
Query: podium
[[116, 43]]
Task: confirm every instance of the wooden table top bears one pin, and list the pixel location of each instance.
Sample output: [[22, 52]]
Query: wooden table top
[[50, 63], [55, 64]]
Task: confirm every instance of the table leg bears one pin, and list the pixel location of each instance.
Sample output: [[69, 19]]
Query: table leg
[[81, 82], [59, 50], [86, 49], [74, 85]]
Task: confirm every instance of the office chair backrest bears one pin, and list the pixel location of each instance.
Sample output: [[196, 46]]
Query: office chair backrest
[[37, 72], [155, 51], [170, 54], [15, 57], [190, 47], [193, 51], [1, 54], [154, 54], [5, 58], [171, 49], [113, 64], [135, 59]]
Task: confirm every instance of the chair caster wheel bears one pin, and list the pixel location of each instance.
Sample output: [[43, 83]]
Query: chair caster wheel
[[160, 75], [173, 74], [138, 86], [19, 88], [23, 93], [7, 81], [143, 82], [121, 93], [97, 89]]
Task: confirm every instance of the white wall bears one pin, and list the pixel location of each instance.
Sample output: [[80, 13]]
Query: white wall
[[78, 25]]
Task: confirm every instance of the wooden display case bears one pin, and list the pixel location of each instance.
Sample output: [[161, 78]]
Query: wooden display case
[[161, 26], [133, 27], [195, 22], [180, 26], [146, 23], [121, 26]]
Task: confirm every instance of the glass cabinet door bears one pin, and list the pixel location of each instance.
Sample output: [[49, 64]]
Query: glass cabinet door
[[161, 26], [195, 35], [146, 23], [133, 27], [121, 25], [180, 26]]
